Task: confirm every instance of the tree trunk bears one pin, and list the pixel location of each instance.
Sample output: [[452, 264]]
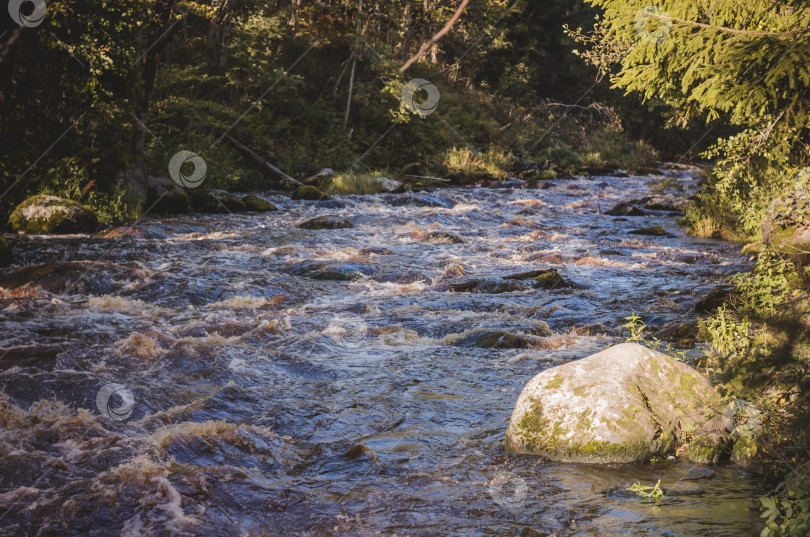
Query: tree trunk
[[158, 39], [354, 64]]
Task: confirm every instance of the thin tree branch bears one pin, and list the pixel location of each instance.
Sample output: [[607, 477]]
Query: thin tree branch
[[438, 35]]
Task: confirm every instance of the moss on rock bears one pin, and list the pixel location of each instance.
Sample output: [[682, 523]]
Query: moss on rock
[[258, 205], [42, 214], [625, 404], [309, 192]]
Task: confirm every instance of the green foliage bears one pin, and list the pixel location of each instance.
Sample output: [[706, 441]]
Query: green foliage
[[351, 183], [654, 493], [765, 288], [666, 185], [637, 327], [787, 508], [730, 337]]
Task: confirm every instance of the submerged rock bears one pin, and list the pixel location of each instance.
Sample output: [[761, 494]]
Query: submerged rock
[[442, 237], [421, 200], [331, 271], [625, 208], [625, 404], [326, 221], [132, 232], [71, 277], [499, 339], [543, 279], [491, 286], [258, 205], [43, 214], [330, 204], [653, 231]]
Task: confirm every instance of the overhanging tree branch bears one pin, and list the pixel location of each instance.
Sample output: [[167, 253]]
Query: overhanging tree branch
[[438, 35]]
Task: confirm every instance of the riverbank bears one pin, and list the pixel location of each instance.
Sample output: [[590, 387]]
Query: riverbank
[[758, 335]]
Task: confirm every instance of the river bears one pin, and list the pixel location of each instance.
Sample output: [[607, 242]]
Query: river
[[266, 402]]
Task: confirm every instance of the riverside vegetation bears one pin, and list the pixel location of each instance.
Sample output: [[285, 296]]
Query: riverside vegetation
[[729, 80]]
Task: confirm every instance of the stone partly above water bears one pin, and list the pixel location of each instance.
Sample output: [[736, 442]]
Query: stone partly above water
[[421, 200], [216, 201], [317, 270], [49, 214], [627, 403], [258, 205], [625, 208], [326, 221], [543, 279], [71, 277], [499, 339], [491, 286]]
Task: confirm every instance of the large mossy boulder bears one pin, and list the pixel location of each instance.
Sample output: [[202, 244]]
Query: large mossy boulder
[[158, 194], [627, 403], [43, 214]]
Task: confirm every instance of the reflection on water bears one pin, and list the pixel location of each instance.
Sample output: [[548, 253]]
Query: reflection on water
[[271, 401]]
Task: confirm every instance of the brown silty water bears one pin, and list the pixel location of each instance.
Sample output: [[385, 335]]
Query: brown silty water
[[258, 400]]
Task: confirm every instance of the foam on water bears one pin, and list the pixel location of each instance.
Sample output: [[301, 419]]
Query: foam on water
[[272, 404]]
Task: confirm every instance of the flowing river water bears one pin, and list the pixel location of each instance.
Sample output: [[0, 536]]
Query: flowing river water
[[266, 400]]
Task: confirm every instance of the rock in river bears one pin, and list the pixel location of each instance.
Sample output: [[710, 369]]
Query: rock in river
[[442, 237], [309, 192], [43, 214], [71, 277], [625, 208], [653, 231], [258, 205], [326, 221], [489, 285], [216, 201], [318, 270], [420, 201], [627, 403], [543, 279], [499, 339]]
